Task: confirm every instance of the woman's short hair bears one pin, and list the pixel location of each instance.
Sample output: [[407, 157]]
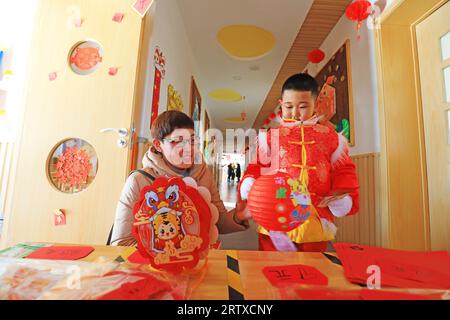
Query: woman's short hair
[[168, 121]]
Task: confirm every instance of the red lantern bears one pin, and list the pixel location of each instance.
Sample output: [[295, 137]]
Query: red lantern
[[272, 116], [277, 204], [359, 11], [316, 56], [266, 122]]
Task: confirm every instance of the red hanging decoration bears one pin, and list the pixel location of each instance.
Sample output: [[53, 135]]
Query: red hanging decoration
[[359, 11], [316, 56], [160, 63], [272, 116], [243, 116], [86, 58], [174, 224], [266, 122]]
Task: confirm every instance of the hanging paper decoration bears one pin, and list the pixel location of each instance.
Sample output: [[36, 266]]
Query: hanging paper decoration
[[243, 116], [326, 101], [359, 11], [278, 202], [174, 100], [59, 217], [113, 71], [272, 116], [52, 76], [73, 167], [142, 6], [86, 58], [174, 223], [78, 22], [316, 56], [266, 122], [160, 64], [118, 17]]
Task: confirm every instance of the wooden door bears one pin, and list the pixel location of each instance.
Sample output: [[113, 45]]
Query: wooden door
[[433, 39], [62, 104]]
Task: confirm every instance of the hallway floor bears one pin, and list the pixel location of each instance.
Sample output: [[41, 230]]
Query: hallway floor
[[246, 240]]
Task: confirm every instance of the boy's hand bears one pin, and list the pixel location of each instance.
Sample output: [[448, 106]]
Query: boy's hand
[[246, 185], [339, 206], [326, 200]]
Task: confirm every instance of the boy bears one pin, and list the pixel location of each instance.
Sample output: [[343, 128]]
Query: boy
[[313, 151]]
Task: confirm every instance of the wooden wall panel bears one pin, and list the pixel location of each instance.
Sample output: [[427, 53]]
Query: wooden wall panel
[[365, 227]]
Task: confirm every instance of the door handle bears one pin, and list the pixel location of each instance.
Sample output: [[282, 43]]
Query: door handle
[[122, 132]]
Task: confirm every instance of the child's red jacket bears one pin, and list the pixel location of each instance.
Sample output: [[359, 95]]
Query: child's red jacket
[[330, 170]]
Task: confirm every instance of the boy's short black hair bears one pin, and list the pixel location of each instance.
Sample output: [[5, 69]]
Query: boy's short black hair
[[168, 121], [302, 82]]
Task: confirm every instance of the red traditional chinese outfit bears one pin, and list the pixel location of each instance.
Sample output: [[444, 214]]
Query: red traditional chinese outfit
[[323, 154]]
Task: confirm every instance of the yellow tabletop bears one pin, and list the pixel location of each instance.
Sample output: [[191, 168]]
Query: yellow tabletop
[[250, 280], [236, 275]]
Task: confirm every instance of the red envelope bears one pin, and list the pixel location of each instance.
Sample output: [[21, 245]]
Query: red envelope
[[328, 294], [403, 269], [367, 294], [136, 257], [61, 253], [144, 289], [364, 294], [294, 274]]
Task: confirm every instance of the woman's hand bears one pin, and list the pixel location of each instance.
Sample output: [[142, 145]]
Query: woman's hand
[[242, 213]]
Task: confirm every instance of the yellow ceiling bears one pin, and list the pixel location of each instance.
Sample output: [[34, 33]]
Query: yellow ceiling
[[246, 41]]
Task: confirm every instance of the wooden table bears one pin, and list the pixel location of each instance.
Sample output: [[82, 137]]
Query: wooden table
[[254, 284], [237, 275]]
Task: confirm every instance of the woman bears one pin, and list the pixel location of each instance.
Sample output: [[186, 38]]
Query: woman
[[172, 154], [230, 172]]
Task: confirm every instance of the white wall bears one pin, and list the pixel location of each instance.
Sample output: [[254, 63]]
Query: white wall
[[168, 33], [365, 89], [16, 26]]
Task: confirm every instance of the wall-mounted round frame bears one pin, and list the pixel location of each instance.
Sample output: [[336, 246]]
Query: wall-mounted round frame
[[85, 57], [72, 165]]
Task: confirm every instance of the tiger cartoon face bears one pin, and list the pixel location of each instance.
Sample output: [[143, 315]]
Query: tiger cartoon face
[[167, 226]]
